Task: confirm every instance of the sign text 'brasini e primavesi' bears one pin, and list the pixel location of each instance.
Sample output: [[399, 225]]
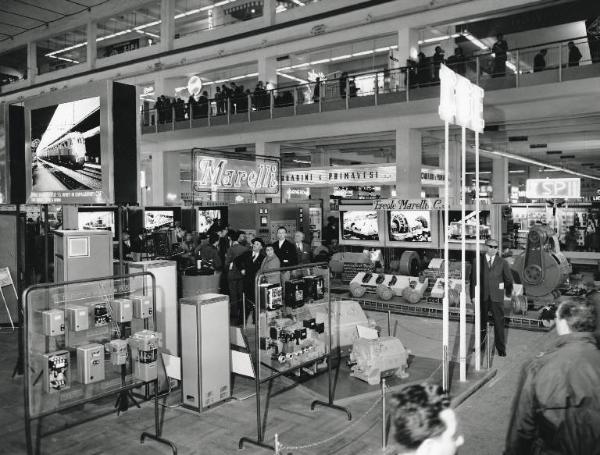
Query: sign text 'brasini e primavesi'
[[250, 176]]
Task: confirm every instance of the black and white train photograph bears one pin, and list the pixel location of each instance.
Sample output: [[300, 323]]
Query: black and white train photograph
[[65, 147]]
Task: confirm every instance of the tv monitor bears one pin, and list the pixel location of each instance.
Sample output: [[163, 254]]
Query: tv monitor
[[158, 219], [360, 225], [209, 217], [92, 219], [455, 228], [409, 226]]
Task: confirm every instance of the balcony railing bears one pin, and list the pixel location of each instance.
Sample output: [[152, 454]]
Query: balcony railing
[[417, 81]]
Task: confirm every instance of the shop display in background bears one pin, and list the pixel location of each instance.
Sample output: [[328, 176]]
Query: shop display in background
[[409, 226], [359, 225], [455, 226]]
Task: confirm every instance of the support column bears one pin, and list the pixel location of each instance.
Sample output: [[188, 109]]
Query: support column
[[92, 49], [269, 11], [408, 162], [167, 25], [267, 71], [321, 159], [170, 173], [500, 180], [32, 68], [270, 149], [407, 45]]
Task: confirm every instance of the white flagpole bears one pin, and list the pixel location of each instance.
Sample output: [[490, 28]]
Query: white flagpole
[[463, 295], [477, 261], [445, 302]]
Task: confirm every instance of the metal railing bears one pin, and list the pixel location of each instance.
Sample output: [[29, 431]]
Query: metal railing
[[522, 67]]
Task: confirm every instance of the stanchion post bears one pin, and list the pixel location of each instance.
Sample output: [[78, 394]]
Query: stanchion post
[[383, 414], [477, 261], [488, 353], [445, 302], [389, 316], [463, 255], [244, 310]]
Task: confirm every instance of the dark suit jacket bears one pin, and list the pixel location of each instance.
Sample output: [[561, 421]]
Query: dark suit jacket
[[286, 254], [245, 264], [304, 256], [491, 279]]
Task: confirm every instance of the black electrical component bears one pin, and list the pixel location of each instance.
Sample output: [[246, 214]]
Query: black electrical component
[[367, 277], [295, 293], [263, 343], [300, 334], [380, 279], [320, 327], [273, 332], [309, 323], [393, 281], [315, 287]]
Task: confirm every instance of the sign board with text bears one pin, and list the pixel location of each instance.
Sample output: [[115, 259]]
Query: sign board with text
[[408, 204], [566, 188], [461, 102]]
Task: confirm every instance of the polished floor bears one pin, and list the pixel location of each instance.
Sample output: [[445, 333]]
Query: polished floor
[[483, 416]]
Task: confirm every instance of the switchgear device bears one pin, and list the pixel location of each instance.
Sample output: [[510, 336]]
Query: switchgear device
[[367, 277], [270, 296], [78, 318], [90, 363], [144, 351], [294, 293], [57, 375], [142, 307], [118, 352], [122, 310], [53, 322], [393, 280], [101, 315], [315, 287]]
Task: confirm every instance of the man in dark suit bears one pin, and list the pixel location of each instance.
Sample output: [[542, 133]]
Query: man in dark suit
[[284, 249], [303, 253], [248, 264], [496, 281]]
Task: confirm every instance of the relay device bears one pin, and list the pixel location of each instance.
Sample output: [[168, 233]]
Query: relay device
[[142, 307], [77, 317], [122, 310], [118, 352], [144, 350], [53, 322], [57, 375], [90, 363]]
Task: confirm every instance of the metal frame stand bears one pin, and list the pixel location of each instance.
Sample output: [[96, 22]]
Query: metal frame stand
[[124, 390], [259, 441]]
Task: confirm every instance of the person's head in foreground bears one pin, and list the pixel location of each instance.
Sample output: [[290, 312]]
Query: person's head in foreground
[[576, 315], [423, 423]]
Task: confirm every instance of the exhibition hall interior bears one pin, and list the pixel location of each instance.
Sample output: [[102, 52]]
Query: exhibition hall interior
[[298, 226]]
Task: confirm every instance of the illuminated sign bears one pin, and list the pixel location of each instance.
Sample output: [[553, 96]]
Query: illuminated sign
[[354, 176], [553, 188], [194, 85], [461, 102], [408, 204], [261, 176]]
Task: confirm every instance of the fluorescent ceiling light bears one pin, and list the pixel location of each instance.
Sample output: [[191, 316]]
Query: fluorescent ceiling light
[[293, 78], [149, 24], [301, 65], [517, 171], [475, 41], [438, 38], [301, 161], [341, 57], [357, 54], [298, 2], [75, 46], [153, 35], [382, 49], [317, 62]]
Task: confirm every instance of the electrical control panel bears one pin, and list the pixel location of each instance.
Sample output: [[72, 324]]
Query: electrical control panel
[[90, 363], [271, 296], [142, 307], [144, 351], [53, 322], [57, 374], [118, 352], [101, 315], [122, 310], [77, 318], [295, 293]]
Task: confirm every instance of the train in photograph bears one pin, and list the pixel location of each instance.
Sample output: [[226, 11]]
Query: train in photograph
[[70, 150]]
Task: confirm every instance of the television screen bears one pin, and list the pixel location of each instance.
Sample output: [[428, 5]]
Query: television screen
[[360, 225], [208, 218], [156, 219], [65, 147], [96, 220], [409, 226], [485, 228]]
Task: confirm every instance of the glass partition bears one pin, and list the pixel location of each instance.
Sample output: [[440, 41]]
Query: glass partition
[[14, 65], [62, 50]]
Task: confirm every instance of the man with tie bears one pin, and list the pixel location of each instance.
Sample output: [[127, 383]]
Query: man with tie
[[248, 264], [302, 249], [496, 281], [284, 249]]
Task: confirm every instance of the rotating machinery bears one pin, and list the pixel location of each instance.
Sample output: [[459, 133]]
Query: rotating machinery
[[542, 267]]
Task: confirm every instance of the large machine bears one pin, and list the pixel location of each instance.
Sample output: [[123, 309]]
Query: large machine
[[542, 268]]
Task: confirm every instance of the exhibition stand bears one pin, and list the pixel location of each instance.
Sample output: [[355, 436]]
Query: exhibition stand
[[89, 339], [288, 337]]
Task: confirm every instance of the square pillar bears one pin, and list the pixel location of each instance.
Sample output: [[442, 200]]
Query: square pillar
[[268, 149], [269, 11], [32, 68], [408, 47], [92, 50], [267, 71], [500, 180], [167, 25], [408, 162]]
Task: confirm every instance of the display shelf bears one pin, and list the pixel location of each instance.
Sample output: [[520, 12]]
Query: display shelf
[[88, 339]]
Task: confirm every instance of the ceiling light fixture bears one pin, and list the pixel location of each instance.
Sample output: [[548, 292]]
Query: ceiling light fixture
[[293, 78]]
